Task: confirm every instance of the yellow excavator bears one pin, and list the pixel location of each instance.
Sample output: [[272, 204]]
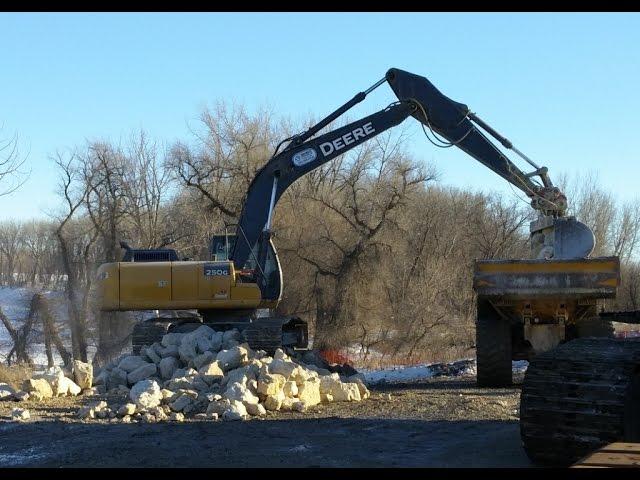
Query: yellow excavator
[[579, 393], [243, 278]]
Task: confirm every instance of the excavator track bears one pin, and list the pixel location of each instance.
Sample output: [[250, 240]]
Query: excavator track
[[578, 397], [266, 334]]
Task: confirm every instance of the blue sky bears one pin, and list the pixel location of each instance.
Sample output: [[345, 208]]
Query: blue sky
[[562, 87]]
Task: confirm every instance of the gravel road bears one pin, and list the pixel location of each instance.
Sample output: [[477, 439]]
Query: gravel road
[[441, 422]]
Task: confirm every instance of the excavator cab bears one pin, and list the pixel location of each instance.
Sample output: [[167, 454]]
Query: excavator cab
[[270, 280]]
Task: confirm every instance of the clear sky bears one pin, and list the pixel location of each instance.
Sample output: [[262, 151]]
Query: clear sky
[[563, 87]]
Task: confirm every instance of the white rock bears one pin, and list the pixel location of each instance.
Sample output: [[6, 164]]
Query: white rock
[[218, 407], [178, 383], [235, 411], [282, 367], [170, 351], [233, 334], [280, 355], [127, 409], [309, 392], [211, 416], [274, 402], [20, 414], [299, 406], [232, 358], [270, 384], [187, 349], [141, 373], [203, 344], [117, 377], [86, 412], [255, 409], [153, 356], [167, 394], [40, 385], [168, 366], [364, 391], [326, 398], [240, 392], [216, 341], [66, 386], [83, 374], [101, 378], [203, 359], [146, 394], [6, 391], [172, 339], [181, 403], [211, 372], [126, 419], [346, 392], [200, 384], [240, 375], [130, 363], [290, 389], [176, 417]]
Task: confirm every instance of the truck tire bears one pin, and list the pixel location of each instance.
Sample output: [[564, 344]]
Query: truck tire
[[594, 327], [493, 347]]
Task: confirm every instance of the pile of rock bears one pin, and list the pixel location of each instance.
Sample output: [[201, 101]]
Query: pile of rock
[[209, 374], [52, 383]]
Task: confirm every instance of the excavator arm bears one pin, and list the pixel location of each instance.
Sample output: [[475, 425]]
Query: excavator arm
[[420, 99]]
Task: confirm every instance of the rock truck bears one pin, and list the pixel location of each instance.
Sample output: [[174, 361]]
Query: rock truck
[[576, 391]]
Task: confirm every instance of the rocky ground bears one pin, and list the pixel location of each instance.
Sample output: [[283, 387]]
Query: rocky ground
[[436, 422]]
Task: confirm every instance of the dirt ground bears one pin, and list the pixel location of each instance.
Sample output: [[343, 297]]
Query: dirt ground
[[441, 422]]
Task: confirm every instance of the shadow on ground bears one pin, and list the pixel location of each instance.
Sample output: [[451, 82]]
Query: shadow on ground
[[321, 442]]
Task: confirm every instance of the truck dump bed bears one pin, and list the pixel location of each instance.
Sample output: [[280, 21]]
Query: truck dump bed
[[581, 278]]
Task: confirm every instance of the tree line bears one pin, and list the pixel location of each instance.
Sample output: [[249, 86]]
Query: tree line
[[376, 252]]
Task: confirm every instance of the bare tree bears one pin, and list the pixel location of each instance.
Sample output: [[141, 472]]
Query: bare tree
[[11, 162]]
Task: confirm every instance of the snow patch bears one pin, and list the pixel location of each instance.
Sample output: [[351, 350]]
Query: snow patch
[[413, 373]]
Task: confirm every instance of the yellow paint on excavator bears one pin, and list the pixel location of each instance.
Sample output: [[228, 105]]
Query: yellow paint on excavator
[[174, 286]]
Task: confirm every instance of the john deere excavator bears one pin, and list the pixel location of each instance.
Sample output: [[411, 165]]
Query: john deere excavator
[[526, 308]]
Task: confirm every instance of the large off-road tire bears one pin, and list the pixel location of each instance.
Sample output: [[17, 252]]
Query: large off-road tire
[[579, 397], [594, 327], [493, 347]]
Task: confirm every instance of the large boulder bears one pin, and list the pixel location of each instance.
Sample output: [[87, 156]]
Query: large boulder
[[116, 377], [309, 391], [131, 362], [235, 411], [270, 384], [255, 409], [218, 406], [170, 351], [66, 386], [83, 374], [282, 367], [146, 394], [126, 409], [152, 355], [240, 392], [203, 359], [141, 373], [168, 366], [38, 385], [172, 339], [232, 358], [6, 391], [182, 401], [274, 402], [212, 372]]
